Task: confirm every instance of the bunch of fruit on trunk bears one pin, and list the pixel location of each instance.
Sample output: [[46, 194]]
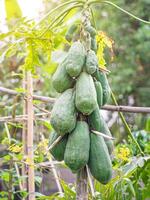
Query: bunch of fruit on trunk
[[76, 113]]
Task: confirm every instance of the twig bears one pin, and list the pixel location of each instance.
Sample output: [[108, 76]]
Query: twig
[[90, 181], [41, 109], [54, 170], [21, 118], [35, 97], [11, 161], [55, 142], [129, 109], [45, 164], [103, 135]]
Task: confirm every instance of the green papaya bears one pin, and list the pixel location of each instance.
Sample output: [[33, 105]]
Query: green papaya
[[85, 99], [63, 115], [99, 92], [61, 80], [97, 123], [91, 30], [77, 148], [59, 149], [91, 62], [99, 161], [72, 29], [75, 59], [102, 78], [94, 45]]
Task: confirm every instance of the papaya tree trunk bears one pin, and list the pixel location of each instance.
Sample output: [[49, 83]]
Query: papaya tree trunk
[[82, 185]]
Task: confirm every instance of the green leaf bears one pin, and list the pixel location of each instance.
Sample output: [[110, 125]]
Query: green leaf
[[20, 90], [12, 9], [47, 124], [4, 35], [5, 176], [130, 184]]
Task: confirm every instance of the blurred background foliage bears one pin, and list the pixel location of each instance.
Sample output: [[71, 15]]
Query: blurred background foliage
[[130, 72]]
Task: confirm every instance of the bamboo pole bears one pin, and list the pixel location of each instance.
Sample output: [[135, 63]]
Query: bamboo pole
[[24, 135], [82, 185], [119, 108], [30, 115]]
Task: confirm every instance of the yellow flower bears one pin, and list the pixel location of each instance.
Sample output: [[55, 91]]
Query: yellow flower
[[15, 148], [103, 40], [42, 146], [28, 161], [123, 153]]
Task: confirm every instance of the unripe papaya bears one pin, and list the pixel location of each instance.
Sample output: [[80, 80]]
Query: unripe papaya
[[94, 45], [97, 123], [102, 78], [91, 62], [99, 92], [61, 80], [85, 99], [59, 149], [63, 115], [91, 30], [75, 59], [72, 29], [77, 148], [99, 160]]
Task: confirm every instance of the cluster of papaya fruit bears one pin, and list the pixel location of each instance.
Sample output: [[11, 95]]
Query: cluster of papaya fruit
[[76, 115]]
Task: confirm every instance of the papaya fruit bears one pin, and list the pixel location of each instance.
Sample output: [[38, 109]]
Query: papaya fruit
[[75, 59], [99, 92], [91, 30], [97, 123], [77, 148], [63, 115], [69, 34], [102, 78], [99, 161], [94, 45], [61, 80], [59, 149], [85, 98], [91, 62]]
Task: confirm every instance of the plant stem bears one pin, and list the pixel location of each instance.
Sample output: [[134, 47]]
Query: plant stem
[[10, 197], [58, 17], [126, 125], [55, 9], [121, 9], [94, 22]]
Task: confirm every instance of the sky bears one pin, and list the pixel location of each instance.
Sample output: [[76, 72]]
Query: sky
[[30, 9]]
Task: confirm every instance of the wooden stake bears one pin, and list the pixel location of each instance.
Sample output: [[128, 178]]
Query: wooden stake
[[30, 114], [82, 185]]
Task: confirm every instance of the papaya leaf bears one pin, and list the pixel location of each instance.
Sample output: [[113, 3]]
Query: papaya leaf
[[4, 35], [12, 9]]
